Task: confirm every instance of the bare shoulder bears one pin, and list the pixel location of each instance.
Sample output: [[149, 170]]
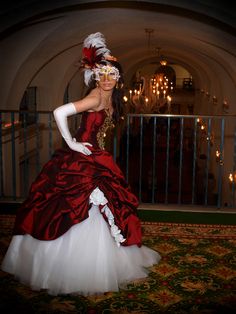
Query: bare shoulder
[[89, 103]]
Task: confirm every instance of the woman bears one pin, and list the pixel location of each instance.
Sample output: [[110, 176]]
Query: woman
[[78, 230]]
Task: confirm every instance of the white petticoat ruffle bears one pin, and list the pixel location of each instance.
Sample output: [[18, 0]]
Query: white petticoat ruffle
[[97, 198], [84, 260]]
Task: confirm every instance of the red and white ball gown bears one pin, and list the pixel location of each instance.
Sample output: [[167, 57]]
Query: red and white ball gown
[[78, 230]]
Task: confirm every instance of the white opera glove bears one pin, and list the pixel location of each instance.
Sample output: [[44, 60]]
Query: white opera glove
[[60, 114], [80, 146]]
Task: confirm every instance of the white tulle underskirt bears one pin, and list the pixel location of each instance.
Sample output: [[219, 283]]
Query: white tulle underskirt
[[85, 260]]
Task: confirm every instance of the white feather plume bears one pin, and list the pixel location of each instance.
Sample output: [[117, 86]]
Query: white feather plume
[[97, 40], [87, 76]]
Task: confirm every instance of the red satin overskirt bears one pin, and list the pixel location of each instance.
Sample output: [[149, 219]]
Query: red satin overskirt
[[59, 197]]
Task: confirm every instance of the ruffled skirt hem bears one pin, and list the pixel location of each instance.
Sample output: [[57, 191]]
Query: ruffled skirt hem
[[85, 260]]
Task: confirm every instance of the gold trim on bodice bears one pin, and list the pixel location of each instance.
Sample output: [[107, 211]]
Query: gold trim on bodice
[[101, 135]]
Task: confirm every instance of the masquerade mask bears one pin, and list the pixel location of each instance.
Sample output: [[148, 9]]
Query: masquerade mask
[[106, 72]]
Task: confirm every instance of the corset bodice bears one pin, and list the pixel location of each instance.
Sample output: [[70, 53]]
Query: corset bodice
[[94, 128]]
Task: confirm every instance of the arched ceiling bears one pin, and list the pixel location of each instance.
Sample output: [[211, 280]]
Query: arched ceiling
[[15, 13], [199, 35]]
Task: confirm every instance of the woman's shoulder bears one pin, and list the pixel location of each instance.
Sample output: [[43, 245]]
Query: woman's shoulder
[[94, 92], [89, 103], [95, 97]]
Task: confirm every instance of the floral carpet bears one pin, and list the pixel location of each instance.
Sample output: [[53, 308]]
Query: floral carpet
[[197, 274]]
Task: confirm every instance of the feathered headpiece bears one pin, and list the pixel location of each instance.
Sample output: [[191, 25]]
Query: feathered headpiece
[[94, 51]]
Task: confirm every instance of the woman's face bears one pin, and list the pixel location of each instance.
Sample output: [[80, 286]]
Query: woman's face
[[106, 76], [107, 84]]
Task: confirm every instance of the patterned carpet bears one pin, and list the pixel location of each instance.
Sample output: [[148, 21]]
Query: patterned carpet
[[197, 274]]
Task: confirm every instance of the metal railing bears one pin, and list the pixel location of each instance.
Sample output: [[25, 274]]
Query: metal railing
[[167, 159], [181, 159]]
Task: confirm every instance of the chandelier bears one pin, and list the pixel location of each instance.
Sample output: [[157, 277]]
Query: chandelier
[[152, 93]]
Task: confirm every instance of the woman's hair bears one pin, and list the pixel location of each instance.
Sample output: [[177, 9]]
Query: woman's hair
[[118, 94]]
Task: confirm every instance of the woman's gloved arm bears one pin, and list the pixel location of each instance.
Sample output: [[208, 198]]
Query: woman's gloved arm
[[61, 114]]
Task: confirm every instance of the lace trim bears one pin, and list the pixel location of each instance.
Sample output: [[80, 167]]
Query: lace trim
[[97, 198], [101, 134], [115, 231]]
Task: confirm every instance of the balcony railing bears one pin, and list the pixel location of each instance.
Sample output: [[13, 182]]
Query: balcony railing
[[167, 159]]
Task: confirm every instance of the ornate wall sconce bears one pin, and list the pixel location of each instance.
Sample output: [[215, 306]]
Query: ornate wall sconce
[[214, 100], [225, 106], [232, 178], [219, 157]]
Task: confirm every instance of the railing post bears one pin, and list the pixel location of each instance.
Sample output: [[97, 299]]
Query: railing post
[[180, 160], [26, 175], [194, 160], [141, 158], [234, 170], [37, 144], [154, 159], [208, 160], [13, 154], [220, 167], [127, 148], [167, 160]]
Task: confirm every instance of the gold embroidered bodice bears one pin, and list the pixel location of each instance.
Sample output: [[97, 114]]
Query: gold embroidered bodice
[[103, 130]]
